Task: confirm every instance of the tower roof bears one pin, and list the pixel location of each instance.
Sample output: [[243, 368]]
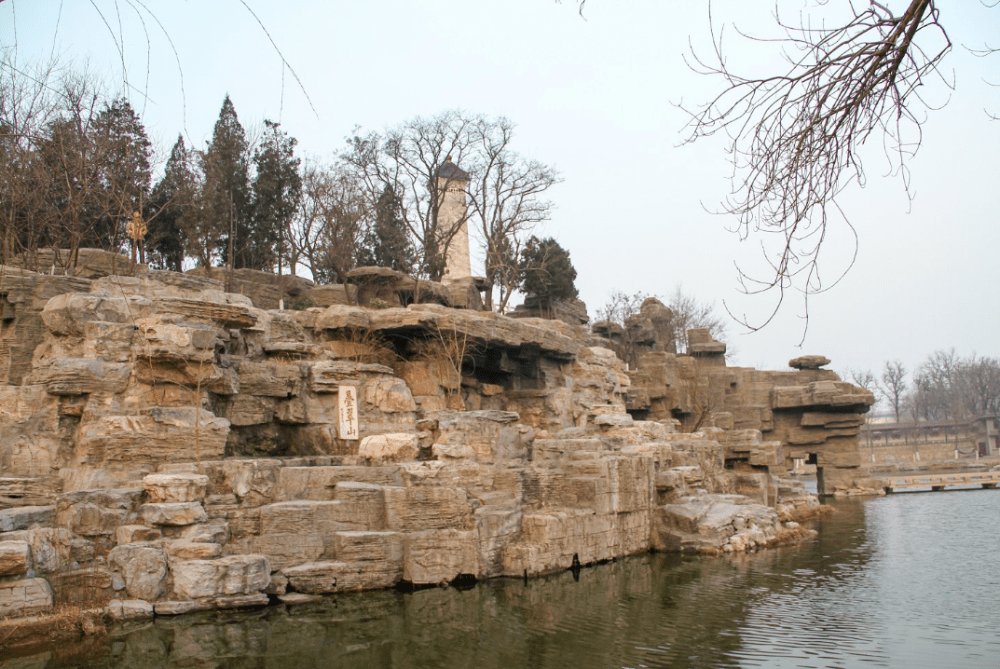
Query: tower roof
[[450, 170]]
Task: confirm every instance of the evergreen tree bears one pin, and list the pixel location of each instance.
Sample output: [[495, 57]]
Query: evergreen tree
[[171, 212], [546, 272], [277, 192], [125, 172], [502, 268], [70, 181], [388, 243], [226, 192]]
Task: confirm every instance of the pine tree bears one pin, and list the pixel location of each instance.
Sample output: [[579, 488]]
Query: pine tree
[[277, 191], [388, 243], [546, 272], [69, 178], [171, 212], [226, 193], [125, 172]]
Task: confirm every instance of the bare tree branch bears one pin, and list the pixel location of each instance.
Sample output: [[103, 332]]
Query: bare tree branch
[[795, 138]]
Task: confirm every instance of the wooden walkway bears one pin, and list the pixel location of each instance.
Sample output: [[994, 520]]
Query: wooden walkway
[[939, 481]]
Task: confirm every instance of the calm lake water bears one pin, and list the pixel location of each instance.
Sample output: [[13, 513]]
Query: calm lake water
[[911, 580]]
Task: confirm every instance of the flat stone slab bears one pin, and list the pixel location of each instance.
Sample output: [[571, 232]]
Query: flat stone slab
[[15, 558], [177, 608], [294, 598], [175, 487], [24, 517], [174, 513], [316, 577], [242, 601], [127, 534], [193, 550], [221, 577], [809, 362], [613, 420], [129, 609], [25, 597]]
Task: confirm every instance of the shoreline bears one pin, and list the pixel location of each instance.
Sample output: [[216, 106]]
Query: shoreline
[[78, 624]]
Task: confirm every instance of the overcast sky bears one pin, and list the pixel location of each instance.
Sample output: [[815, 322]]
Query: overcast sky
[[597, 98]]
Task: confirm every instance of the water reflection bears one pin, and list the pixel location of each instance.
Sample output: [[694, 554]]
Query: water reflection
[[887, 583]]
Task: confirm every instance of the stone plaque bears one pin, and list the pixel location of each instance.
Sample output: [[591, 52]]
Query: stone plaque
[[347, 399]]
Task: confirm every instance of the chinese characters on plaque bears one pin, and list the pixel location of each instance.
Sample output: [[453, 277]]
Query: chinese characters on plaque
[[347, 398]]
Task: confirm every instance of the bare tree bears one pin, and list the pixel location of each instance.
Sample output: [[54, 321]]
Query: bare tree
[[505, 196], [76, 165], [894, 384], [981, 386], [690, 313], [27, 105], [505, 190], [686, 313], [408, 159], [795, 136], [71, 162], [620, 306], [950, 387], [865, 378], [332, 216], [620, 310]]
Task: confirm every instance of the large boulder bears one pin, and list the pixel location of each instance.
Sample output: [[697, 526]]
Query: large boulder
[[233, 575], [25, 597], [174, 513], [492, 436], [440, 556], [175, 487], [15, 558], [713, 524], [94, 513], [391, 447], [159, 434], [143, 568]]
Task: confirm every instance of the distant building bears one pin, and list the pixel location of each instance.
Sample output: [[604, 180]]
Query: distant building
[[939, 440]]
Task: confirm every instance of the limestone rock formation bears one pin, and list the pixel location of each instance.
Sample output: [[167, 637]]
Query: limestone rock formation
[[227, 576], [143, 568], [171, 447], [769, 418], [25, 597], [722, 523], [15, 558]]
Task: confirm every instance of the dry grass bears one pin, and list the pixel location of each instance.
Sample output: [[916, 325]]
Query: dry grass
[[447, 344], [367, 346], [66, 622]]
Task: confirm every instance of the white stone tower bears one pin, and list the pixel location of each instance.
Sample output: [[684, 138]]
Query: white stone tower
[[453, 220]]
